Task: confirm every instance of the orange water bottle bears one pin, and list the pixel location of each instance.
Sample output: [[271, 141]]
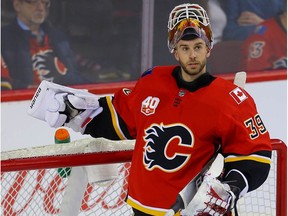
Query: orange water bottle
[[62, 136]]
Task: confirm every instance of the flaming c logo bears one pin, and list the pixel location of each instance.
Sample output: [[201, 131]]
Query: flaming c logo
[[158, 138], [48, 65]]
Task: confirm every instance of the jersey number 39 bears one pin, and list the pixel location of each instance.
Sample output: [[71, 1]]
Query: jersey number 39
[[256, 126]]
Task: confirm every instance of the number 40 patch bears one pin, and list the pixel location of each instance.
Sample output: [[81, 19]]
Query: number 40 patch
[[149, 105], [256, 126]]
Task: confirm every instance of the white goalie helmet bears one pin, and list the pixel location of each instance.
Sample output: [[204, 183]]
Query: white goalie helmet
[[192, 18]]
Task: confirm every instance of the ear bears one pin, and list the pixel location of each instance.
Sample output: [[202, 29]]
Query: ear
[[208, 52], [16, 4], [176, 54]]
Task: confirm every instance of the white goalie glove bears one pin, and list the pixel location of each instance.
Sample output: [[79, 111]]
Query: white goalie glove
[[212, 198], [63, 106]]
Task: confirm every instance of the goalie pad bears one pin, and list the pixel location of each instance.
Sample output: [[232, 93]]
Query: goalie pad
[[60, 105]]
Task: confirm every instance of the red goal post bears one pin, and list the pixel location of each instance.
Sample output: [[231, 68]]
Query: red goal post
[[31, 185]]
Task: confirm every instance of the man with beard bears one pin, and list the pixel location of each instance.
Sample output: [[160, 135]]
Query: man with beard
[[181, 117]]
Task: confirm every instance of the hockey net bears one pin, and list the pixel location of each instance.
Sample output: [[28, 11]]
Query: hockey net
[[32, 184]]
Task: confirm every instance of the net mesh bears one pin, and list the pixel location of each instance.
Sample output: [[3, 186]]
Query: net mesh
[[40, 192]]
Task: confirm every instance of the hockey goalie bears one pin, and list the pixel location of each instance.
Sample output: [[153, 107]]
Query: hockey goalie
[[181, 117]]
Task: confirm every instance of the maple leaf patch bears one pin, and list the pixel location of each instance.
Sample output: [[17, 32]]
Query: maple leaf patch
[[238, 95]]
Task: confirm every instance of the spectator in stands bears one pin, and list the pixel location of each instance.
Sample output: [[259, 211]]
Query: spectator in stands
[[266, 48], [33, 50], [244, 15]]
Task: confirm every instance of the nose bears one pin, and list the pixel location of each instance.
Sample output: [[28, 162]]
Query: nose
[[192, 54]]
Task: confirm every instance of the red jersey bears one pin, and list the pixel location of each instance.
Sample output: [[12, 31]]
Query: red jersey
[[45, 64], [178, 129], [266, 48]]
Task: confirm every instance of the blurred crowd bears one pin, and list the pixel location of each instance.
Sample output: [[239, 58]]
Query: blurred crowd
[[94, 41]]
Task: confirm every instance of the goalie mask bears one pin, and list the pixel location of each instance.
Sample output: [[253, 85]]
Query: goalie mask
[[188, 20]]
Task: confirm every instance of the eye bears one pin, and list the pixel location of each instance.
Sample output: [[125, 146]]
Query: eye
[[184, 48]]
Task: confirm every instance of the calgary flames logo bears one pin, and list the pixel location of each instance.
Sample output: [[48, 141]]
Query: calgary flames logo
[[158, 138], [48, 65]]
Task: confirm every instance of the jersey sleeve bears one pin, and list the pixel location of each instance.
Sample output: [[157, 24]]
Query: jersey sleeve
[[246, 147], [117, 120], [108, 123], [125, 103]]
